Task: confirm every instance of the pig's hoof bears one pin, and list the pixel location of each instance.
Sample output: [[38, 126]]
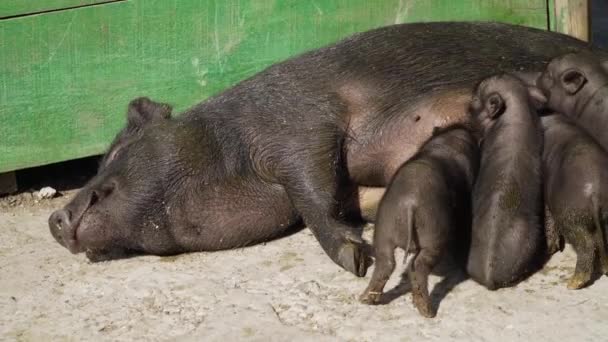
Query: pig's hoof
[[553, 246], [424, 307], [353, 259], [370, 297], [576, 282], [605, 266]]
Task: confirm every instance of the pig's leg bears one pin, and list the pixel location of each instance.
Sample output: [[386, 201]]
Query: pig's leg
[[422, 266], [583, 244], [313, 177], [600, 243], [601, 247], [385, 265], [553, 241]]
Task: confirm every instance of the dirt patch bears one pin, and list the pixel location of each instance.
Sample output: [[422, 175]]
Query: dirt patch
[[285, 289]]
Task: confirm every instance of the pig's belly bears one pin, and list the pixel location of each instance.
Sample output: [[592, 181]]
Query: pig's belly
[[373, 158]]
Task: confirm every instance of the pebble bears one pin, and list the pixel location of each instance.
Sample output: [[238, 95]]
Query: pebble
[[45, 193]]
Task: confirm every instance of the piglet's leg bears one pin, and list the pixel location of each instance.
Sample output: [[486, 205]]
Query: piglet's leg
[[422, 266], [551, 234], [600, 243], [385, 265], [584, 246]]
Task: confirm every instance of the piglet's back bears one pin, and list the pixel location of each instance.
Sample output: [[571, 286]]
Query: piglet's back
[[506, 230]]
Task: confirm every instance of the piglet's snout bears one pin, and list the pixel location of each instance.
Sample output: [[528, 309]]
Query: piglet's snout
[[62, 229]]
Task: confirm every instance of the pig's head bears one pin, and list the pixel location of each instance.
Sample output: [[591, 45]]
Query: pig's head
[[569, 81], [120, 209], [497, 94]]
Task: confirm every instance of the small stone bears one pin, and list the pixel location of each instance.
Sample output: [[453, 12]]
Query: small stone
[[45, 193]]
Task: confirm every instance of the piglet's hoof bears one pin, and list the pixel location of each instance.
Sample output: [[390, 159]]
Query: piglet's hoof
[[577, 282], [370, 297], [424, 307], [425, 310], [353, 259]]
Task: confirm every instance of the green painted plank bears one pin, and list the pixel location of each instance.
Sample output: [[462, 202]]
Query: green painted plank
[[552, 19], [524, 12], [9, 8], [66, 77]]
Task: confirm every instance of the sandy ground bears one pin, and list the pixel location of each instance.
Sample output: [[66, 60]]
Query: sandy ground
[[283, 290]]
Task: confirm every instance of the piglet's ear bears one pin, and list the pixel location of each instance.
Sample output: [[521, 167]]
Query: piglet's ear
[[143, 110], [538, 98], [572, 80], [495, 105]]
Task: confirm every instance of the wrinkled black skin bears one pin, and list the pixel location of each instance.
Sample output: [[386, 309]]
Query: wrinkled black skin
[[575, 171], [292, 142], [576, 85], [426, 206], [507, 197]]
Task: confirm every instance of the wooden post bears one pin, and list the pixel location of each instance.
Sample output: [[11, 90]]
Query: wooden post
[[572, 18], [8, 183]]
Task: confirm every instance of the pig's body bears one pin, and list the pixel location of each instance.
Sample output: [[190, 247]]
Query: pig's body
[[507, 198], [577, 86], [426, 206], [292, 142], [575, 170]]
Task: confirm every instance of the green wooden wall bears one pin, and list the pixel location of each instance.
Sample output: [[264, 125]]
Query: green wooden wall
[[66, 76], [11, 8]]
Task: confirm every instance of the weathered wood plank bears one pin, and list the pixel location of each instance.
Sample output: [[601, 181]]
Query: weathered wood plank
[[524, 12], [67, 76], [9, 8], [572, 17]]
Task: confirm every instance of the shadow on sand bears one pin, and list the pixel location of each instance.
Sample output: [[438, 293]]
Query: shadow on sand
[[452, 276]]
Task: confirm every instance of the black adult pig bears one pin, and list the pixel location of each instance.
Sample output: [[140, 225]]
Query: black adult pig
[[575, 170], [577, 85], [291, 142], [426, 205], [507, 197]]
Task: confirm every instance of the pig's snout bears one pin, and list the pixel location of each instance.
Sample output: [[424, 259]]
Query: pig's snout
[[62, 229], [66, 224]]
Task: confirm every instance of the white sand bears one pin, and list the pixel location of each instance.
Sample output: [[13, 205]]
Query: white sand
[[281, 291]]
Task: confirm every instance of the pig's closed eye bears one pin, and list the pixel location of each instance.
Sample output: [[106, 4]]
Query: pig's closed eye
[[112, 155]]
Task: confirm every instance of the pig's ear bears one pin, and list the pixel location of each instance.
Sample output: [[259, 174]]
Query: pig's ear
[[495, 105], [572, 80], [143, 110], [538, 98]]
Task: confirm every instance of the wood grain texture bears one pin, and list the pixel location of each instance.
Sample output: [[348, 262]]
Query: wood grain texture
[[572, 18], [66, 77]]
